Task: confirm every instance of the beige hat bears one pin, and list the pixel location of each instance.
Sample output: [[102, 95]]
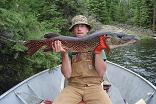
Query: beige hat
[[79, 19]]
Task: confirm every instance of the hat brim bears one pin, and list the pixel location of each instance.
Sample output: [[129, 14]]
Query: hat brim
[[71, 27]]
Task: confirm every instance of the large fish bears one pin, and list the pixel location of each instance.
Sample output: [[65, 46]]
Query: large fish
[[91, 42]]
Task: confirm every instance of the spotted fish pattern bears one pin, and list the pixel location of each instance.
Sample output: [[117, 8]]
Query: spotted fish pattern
[[90, 42]]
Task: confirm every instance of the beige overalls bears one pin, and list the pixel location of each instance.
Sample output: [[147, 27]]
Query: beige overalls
[[84, 83]]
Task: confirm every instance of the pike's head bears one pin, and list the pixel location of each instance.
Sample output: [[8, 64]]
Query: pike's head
[[119, 39], [114, 40]]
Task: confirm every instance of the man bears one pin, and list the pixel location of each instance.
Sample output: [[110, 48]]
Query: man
[[84, 71]]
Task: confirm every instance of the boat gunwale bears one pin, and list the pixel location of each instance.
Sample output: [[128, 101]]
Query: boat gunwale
[[26, 80]]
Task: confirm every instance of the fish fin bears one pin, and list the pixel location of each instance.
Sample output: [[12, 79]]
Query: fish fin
[[51, 35], [102, 45], [33, 46]]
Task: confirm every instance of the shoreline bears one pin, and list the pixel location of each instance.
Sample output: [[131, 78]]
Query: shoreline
[[130, 30]]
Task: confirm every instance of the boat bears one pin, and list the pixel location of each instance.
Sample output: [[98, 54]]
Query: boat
[[126, 87]]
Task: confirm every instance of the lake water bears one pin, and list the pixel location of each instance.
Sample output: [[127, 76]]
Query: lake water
[[139, 57]]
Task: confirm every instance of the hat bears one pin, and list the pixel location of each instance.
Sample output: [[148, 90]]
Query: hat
[[79, 19]]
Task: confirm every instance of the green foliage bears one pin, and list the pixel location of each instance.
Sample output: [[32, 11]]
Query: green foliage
[[25, 20], [146, 38], [18, 26], [136, 12], [99, 8], [139, 12], [46, 60], [19, 47], [68, 9]]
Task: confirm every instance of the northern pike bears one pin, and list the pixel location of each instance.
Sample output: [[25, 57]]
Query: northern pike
[[97, 40]]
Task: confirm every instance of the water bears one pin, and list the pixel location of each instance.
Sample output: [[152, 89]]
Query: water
[[139, 57]]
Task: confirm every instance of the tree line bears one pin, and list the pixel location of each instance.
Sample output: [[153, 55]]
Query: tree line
[[31, 19]]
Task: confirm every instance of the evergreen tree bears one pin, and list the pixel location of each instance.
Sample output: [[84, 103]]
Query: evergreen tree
[[99, 8]]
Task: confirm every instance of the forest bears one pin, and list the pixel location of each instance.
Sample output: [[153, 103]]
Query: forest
[[22, 20]]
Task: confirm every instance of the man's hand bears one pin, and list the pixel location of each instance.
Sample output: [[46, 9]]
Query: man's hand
[[57, 46]]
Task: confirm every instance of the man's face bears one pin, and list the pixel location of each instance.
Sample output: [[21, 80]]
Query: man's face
[[80, 30]]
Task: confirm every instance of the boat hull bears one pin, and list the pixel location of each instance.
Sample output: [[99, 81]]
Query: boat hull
[[126, 86], [131, 86]]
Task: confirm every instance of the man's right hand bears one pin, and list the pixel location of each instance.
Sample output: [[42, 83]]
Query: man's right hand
[[57, 46]]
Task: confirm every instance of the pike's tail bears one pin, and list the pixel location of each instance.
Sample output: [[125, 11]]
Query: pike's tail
[[33, 46]]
